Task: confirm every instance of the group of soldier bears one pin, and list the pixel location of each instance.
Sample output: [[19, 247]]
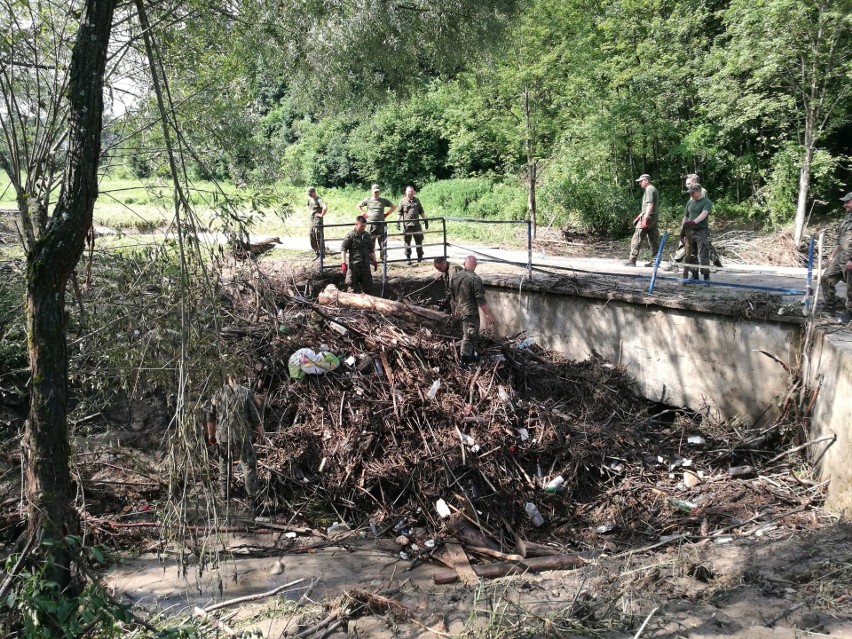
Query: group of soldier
[[694, 228]]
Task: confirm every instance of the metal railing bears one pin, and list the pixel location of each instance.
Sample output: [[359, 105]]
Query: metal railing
[[385, 251]]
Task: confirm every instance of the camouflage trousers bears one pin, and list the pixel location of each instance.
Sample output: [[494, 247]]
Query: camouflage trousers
[[413, 232], [700, 249], [651, 233], [316, 234], [359, 279], [835, 272], [470, 333], [379, 233]]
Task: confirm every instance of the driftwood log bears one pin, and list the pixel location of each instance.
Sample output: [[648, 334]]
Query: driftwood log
[[332, 296], [503, 568]]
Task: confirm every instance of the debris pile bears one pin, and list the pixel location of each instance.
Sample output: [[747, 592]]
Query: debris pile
[[528, 445]]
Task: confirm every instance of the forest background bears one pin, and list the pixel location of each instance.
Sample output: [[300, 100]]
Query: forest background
[[576, 97]]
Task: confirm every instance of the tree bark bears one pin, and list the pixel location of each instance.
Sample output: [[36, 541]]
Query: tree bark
[[50, 261], [332, 296], [804, 189]]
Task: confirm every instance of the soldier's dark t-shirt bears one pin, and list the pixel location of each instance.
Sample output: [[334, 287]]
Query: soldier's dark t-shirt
[[694, 208], [376, 208], [359, 246]]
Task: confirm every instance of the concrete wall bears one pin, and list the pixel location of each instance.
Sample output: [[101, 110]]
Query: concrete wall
[[706, 362], [831, 371]]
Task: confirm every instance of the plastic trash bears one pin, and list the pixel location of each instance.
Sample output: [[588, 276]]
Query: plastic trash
[[433, 389], [555, 484], [534, 515], [442, 508], [525, 344], [307, 361], [606, 528], [524, 434], [696, 440]]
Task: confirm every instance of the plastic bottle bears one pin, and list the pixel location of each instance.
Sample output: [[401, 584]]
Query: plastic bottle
[[338, 528], [533, 514], [433, 389], [555, 484]]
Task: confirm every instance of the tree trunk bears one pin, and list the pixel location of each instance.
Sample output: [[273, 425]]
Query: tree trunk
[[804, 188], [531, 163], [50, 261]]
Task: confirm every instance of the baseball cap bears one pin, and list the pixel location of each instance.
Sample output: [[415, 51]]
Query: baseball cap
[[846, 197], [694, 187], [644, 176], [311, 189], [375, 187]]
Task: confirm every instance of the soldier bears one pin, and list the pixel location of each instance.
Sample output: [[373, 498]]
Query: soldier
[[317, 210], [840, 264], [447, 271], [358, 254], [680, 252], [469, 297], [695, 228], [410, 212], [646, 222], [232, 419], [374, 208]]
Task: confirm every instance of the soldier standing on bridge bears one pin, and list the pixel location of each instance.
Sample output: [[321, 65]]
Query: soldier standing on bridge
[[646, 222], [410, 212], [317, 210], [840, 265], [374, 209], [695, 228], [358, 254], [469, 296], [232, 419]]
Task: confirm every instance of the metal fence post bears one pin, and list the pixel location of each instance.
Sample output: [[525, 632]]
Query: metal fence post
[[529, 249], [657, 262], [444, 226], [321, 239]]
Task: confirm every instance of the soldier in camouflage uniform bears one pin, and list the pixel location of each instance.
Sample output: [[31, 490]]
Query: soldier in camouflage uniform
[[696, 229], [410, 212], [469, 298], [358, 254], [646, 222], [680, 252], [447, 271], [317, 210], [840, 264], [373, 209], [232, 420]]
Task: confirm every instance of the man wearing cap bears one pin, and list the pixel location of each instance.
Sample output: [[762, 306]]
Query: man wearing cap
[[373, 208], [646, 222], [410, 212], [317, 210], [680, 252], [695, 228], [840, 264], [358, 254]]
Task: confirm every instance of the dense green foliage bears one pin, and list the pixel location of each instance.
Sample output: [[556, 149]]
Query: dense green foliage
[[743, 93]]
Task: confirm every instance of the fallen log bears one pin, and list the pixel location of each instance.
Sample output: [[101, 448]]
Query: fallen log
[[468, 535], [332, 296], [503, 568]]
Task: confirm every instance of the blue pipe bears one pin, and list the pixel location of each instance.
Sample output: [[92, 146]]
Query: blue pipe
[[657, 262]]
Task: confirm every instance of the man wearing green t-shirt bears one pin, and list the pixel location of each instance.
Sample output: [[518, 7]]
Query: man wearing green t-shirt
[[373, 208], [696, 231], [646, 222]]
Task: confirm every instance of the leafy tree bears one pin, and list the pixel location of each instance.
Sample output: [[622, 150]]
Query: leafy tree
[[789, 60]]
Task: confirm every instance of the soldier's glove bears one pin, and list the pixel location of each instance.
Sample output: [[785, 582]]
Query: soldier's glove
[[375, 265], [344, 268], [688, 224], [211, 440], [426, 224], [444, 305]]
